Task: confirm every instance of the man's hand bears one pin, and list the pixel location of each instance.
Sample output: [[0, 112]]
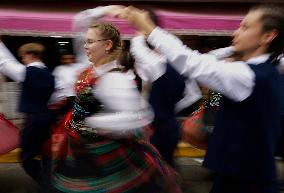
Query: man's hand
[[140, 19]]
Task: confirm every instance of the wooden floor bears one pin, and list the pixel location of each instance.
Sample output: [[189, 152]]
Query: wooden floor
[[183, 150], [194, 178], [11, 157]]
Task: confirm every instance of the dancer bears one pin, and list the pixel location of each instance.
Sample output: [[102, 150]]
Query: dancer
[[170, 93], [106, 148], [37, 87], [242, 146]]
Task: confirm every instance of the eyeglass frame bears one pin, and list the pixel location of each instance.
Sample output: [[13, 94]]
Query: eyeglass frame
[[90, 41]]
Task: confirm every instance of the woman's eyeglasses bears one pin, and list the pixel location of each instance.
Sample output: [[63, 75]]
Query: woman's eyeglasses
[[90, 41]]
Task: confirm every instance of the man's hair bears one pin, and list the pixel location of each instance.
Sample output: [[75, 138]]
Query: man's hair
[[32, 48], [273, 19]]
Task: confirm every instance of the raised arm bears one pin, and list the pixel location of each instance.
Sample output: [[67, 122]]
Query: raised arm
[[233, 79], [153, 65], [149, 64], [10, 66]]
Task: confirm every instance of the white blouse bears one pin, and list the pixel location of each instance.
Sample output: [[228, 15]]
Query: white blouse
[[125, 109]]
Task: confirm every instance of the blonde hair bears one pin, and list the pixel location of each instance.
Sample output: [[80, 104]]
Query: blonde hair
[[110, 32], [32, 48]]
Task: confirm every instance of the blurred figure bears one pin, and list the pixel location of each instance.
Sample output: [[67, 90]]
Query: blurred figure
[[37, 87], [67, 58], [242, 146], [170, 93], [65, 77], [106, 150]]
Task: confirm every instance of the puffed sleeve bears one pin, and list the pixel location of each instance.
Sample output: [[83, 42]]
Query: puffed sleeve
[[125, 109]]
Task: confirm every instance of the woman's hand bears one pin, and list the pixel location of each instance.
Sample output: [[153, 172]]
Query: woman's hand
[[114, 10]]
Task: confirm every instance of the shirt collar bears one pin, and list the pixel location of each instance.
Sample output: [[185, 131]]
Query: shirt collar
[[100, 70], [37, 64], [258, 59]]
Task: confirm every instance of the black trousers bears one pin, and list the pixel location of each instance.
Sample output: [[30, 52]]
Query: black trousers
[[227, 184], [166, 137], [280, 146], [35, 133]]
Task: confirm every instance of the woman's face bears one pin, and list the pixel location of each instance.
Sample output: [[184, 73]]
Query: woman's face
[[96, 46], [249, 37]]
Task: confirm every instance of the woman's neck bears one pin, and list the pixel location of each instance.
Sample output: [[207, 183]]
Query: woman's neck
[[104, 61], [109, 58]]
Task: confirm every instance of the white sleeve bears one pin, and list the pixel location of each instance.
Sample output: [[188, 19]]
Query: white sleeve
[[60, 86], [9, 65], [192, 94], [222, 53], [81, 22], [235, 80], [125, 109], [149, 65], [118, 93]]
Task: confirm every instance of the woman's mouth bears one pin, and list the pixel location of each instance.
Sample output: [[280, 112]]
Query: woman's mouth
[[234, 42]]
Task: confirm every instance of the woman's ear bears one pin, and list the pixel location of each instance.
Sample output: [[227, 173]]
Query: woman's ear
[[109, 45]]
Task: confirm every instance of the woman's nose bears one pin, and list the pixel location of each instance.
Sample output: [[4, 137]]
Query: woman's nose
[[235, 33]]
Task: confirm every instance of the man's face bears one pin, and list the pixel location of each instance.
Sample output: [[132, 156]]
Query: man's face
[[26, 58], [249, 35], [67, 59]]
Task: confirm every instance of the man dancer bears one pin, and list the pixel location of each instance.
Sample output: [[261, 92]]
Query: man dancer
[[37, 87]]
